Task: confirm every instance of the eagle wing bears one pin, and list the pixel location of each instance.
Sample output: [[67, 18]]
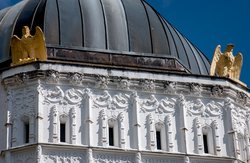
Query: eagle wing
[[237, 65], [16, 49], [40, 49], [216, 57]]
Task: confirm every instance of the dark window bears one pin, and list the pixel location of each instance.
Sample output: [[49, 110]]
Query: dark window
[[62, 132], [158, 139], [26, 132], [205, 143], [111, 136]]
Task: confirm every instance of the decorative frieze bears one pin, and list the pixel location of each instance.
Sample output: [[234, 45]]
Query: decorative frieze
[[113, 157], [75, 78], [170, 87], [241, 98], [102, 82], [148, 85], [52, 76], [119, 101], [55, 156], [217, 90], [126, 83], [195, 89], [212, 109], [165, 105], [150, 159], [24, 156], [57, 95]]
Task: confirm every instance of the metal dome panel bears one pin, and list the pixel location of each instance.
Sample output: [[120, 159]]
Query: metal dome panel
[[130, 27]]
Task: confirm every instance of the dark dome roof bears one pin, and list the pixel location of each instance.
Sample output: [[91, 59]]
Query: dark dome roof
[[121, 26]]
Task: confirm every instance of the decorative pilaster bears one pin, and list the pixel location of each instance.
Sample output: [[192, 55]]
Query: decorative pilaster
[[73, 126], [87, 96], [39, 154], [187, 160], [136, 122], [247, 147], [183, 112], [199, 136], [169, 133], [236, 144], [32, 128], [216, 135], [90, 156], [151, 132], [39, 117], [138, 157], [122, 131], [104, 123], [55, 124], [232, 131]]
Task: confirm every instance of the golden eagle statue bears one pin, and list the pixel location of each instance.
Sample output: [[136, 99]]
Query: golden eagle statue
[[29, 48], [225, 64]]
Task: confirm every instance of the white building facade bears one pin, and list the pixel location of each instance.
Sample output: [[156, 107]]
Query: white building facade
[[114, 116]]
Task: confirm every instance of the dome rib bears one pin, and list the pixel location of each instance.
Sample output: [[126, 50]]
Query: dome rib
[[173, 47], [182, 48], [51, 28], [81, 14], [126, 19], [160, 19], [159, 38], [150, 28], [195, 56], [115, 25], [105, 25], [39, 15]]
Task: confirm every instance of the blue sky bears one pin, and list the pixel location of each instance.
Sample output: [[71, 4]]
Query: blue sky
[[207, 23]]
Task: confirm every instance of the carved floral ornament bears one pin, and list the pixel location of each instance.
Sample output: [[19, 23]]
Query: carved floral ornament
[[165, 105], [166, 87], [212, 109], [119, 101]]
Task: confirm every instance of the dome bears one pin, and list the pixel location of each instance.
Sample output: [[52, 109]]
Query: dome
[[121, 27]]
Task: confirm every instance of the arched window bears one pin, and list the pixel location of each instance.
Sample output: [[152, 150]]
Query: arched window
[[160, 135], [208, 139], [112, 132], [64, 129]]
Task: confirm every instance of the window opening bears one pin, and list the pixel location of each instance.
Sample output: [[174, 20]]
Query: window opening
[[205, 143], [111, 136], [62, 132], [26, 132], [158, 139]]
